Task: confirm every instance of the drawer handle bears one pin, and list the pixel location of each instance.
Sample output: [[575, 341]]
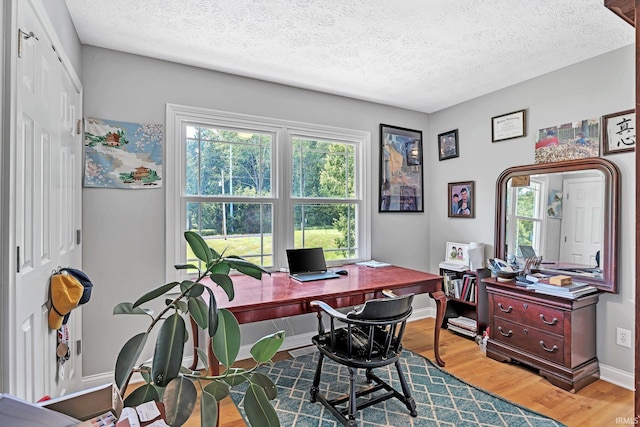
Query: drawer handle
[[508, 334], [550, 350], [553, 322], [508, 310]]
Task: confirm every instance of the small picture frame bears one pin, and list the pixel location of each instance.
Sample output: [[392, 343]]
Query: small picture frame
[[509, 126], [457, 253], [461, 199], [448, 145], [619, 132]]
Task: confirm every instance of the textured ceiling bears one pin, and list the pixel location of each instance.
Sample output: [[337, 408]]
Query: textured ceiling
[[424, 55]]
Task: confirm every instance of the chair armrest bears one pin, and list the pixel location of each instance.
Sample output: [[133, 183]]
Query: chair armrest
[[329, 310], [389, 293]]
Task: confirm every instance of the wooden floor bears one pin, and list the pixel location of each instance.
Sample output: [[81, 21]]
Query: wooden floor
[[598, 404]]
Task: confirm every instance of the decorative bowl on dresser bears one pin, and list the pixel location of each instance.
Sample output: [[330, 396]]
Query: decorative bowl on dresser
[[556, 336]]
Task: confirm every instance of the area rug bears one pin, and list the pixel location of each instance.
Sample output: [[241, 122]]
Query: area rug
[[442, 399]]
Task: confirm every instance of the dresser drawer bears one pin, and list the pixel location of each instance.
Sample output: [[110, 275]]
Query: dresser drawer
[[528, 339], [538, 316]]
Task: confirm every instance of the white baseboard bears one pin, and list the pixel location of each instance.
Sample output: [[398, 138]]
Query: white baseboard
[[607, 373], [617, 377]]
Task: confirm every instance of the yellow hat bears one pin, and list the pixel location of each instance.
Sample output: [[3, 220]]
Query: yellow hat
[[66, 292]]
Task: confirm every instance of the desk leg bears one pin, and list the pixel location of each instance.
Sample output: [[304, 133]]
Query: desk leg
[[441, 306]]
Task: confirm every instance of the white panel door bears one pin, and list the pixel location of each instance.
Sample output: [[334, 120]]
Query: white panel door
[[47, 206], [582, 220]]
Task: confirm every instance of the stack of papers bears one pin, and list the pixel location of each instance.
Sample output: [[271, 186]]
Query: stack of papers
[[572, 291], [453, 266], [462, 325], [373, 264]]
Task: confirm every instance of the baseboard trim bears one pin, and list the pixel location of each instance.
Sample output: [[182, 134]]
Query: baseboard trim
[[607, 373]]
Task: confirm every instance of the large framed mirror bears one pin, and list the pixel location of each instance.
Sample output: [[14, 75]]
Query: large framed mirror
[[567, 213]]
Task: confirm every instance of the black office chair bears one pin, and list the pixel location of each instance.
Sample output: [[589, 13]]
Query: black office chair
[[370, 338]]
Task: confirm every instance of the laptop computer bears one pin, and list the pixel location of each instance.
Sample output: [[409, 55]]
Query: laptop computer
[[308, 264]]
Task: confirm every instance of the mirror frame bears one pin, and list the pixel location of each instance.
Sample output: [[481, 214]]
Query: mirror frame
[[611, 209]]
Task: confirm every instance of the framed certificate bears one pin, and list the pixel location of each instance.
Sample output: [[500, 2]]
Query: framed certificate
[[508, 126]]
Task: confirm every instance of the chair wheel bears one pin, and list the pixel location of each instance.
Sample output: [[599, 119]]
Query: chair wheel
[[414, 413]]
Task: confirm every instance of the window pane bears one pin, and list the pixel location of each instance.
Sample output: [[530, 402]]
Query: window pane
[[525, 199], [243, 229], [329, 226], [227, 162], [323, 169]]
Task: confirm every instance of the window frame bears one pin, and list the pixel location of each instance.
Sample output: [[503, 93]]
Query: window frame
[[178, 116], [539, 232]]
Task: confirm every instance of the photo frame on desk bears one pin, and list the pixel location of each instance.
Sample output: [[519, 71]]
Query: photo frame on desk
[[401, 170]]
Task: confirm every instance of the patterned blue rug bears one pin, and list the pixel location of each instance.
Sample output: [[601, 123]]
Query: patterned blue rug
[[442, 399]]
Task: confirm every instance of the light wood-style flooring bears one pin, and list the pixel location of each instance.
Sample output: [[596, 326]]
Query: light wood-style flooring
[[598, 404]]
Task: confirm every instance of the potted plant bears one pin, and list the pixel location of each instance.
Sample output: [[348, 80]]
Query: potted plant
[[166, 380]]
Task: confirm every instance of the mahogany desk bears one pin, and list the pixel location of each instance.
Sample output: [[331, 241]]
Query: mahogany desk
[[278, 295]]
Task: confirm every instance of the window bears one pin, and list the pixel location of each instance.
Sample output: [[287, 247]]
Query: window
[[525, 210], [253, 187]]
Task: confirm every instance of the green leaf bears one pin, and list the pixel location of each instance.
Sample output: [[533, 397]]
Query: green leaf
[[258, 408], [219, 268], [127, 358], [180, 305], [246, 267], [208, 410], [179, 400], [155, 293], [198, 246], [203, 356], [265, 348], [141, 395], [185, 267], [266, 383], [225, 283], [213, 313], [127, 308], [226, 341], [185, 285], [218, 389], [196, 290], [235, 376], [167, 356], [199, 312]]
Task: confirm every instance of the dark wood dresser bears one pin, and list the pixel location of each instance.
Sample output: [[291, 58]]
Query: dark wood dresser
[[556, 336]]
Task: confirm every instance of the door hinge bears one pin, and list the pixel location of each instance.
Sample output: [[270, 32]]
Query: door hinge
[[24, 36], [78, 347], [79, 127], [18, 259], [78, 237]]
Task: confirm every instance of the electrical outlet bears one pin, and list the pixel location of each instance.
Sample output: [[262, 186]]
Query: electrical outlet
[[623, 337]]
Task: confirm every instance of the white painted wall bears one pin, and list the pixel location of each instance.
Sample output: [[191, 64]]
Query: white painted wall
[[124, 229], [599, 86]]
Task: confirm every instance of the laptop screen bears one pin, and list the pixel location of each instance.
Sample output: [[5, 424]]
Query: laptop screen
[[307, 260]]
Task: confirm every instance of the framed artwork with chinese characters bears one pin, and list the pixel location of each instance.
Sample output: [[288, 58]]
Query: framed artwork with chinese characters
[[619, 132]]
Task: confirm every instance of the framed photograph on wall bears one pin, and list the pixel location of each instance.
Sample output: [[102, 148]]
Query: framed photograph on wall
[[401, 173], [619, 132], [461, 199], [448, 145], [509, 126]]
